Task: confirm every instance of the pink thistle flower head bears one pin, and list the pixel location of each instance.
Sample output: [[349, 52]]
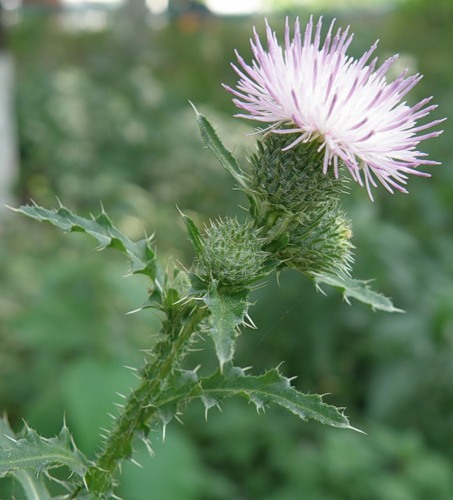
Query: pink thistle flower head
[[314, 90]]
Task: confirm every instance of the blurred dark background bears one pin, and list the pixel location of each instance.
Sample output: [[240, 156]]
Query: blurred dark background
[[100, 113]]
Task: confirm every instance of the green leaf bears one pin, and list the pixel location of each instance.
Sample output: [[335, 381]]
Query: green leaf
[[181, 386], [357, 289], [194, 234], [271, 388], [262, 390], [39, 454], [227, 313], [142, 256], [224, 156], [33, 485]]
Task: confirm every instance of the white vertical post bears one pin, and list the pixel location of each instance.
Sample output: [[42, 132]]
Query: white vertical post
[[8, 144]]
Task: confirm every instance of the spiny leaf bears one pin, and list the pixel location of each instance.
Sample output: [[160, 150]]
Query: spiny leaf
[[194, 234], [272, 388], [39, 454], [182, 385], [224, 156], [33, 485], [357, 289], [142, 256], [262, 391], [227, 313]]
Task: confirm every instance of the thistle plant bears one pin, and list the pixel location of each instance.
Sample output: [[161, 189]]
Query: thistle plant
[[329, 118]]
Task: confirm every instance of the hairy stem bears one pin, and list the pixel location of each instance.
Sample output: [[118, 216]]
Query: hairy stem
[[143, 403]]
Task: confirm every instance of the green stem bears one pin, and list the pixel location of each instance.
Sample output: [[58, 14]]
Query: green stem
[[143, 403]]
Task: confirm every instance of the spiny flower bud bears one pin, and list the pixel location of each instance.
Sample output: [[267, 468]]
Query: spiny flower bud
[[291, 179], [298, 207], [323, 247], [232, 253]]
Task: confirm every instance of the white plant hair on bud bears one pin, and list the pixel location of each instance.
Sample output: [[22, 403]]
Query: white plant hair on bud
[[315, 90]]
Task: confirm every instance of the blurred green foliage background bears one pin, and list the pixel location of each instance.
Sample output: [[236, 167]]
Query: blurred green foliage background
[[103, 116]]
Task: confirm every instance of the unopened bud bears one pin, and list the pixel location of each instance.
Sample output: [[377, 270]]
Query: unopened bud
[[298, 207], [232, 253]]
